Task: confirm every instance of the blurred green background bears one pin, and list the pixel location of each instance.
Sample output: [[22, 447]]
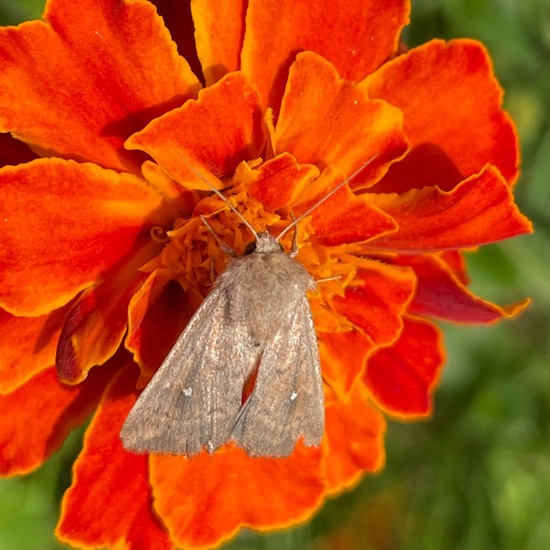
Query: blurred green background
[[478, 475]]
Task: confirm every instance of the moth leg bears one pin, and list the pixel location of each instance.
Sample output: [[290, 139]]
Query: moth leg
[[326, 279], [212, 272], [294, 250], [223, 246]]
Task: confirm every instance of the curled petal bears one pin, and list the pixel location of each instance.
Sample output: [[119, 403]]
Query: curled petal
[[79, 90], [327, 120], [52, 250], [441, 294], [356, 37], [104, 470], [219, 32], [402, 378], [226, 491], [453, 119], [97, 321], [377, 301], [41, 412], [354, 440], [479, 210], [27, 347], [230, 121]]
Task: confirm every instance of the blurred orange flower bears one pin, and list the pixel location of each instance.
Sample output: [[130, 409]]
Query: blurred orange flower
[[104, 257]]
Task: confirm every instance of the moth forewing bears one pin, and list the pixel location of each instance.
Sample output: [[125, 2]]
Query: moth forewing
[[287, 403], [180, 411]]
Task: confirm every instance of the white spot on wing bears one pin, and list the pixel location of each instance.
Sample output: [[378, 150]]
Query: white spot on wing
[[188, 392], [293, 396]]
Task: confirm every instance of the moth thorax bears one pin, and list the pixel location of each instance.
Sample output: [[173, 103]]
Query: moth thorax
[[266, 244]]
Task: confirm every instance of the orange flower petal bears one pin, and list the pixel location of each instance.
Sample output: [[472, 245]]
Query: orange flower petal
[[206, 499], [441, 294], [230, 121], [109, 501], [37, 206], [27, 347], [354, 36], [479, 210], [453, 118], [377, 301], [343, 357], [77, 85], [402, 378], [454, 260], [219, 31], [354, 440], [158, 313], [327, 120], [41, 412], [343, 217], [97, 321], [279, 181], [184, 200]]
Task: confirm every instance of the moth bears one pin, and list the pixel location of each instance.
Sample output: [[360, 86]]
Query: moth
[[255, 323]]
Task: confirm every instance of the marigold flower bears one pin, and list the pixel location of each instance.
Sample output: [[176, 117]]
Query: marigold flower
[[113, 110]]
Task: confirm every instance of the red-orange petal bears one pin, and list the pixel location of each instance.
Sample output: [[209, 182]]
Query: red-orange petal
[[109, 502], [325, 119], [354, 442], [37, 417], [279, 181], [212, 134], [77, 85], [219, 32], [227, 491], [343, 358], [184, 200], [27, 347], [453, 115], [63, 224], [454, 260], [441, 294], [377, 301], [158, 313], [402, 378], [343, 217], [97, 321], [354, 36], [479, 210]]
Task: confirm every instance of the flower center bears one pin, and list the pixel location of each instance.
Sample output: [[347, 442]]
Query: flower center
[[198, 253]]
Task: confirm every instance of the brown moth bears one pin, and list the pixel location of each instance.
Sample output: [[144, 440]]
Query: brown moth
[[255, 321]]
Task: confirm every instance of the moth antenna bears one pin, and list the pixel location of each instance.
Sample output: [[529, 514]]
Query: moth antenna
[[220, 194], [327, 196]]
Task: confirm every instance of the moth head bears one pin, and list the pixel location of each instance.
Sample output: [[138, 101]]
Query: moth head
[[264, 244]]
